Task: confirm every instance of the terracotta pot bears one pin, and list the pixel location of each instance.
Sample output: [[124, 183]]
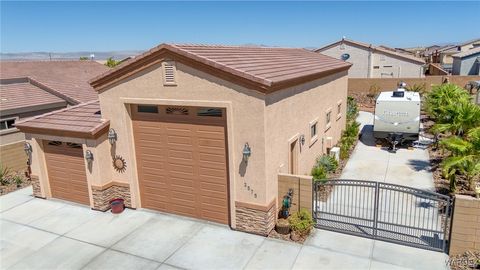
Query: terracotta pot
[[295, 236], [117, 206], [282, 226]]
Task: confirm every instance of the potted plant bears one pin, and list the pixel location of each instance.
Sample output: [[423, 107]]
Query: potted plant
[[117, 205], [282, 226], [301, 224]]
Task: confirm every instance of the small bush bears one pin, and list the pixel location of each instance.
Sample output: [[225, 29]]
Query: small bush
[[373, 91], [301, 222], [352, 109], [319, 173], [328, 162], [17, 179], [420, 88], [5, 174]]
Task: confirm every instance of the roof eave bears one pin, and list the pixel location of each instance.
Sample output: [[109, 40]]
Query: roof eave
[[91, 134]]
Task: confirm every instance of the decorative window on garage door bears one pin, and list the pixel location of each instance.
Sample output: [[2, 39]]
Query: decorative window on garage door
[[176, 110]]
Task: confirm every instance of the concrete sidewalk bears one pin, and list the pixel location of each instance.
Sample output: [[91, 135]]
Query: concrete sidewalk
[[49, 234]]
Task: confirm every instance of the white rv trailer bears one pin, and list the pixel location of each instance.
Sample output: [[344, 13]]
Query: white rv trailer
[[397, 116]]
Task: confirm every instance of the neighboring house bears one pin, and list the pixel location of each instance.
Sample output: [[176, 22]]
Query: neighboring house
[[467, 63], [446, 53], [374, 62], [34, 87], [195, 130]]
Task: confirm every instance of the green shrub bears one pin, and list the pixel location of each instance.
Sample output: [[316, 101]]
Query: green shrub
[[373, 91], [17, 179], [328, 162], [420, 88], [352, 109], [5, 174], [344, 151], [439, 101], [319, 173], [301, 222]]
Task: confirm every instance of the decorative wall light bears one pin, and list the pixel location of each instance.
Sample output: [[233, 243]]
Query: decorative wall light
[[302, 139], [247, 152], [27, 147], [112, 136], [89, 156]]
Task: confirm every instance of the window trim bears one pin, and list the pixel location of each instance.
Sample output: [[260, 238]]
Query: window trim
[[328, 125], [339, 114], [314, 138], [9, 130]]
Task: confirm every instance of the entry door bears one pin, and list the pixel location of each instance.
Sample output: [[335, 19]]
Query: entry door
[[66, 171], [182, 161], [294, 157]]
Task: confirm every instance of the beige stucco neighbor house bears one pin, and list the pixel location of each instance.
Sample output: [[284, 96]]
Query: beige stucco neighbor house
[[29, 88], [195, 130], [369, 61]]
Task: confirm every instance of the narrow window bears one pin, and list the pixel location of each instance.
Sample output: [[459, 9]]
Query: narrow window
[[376, 67], [169, 71], [7, 124], [214, 112], [339, 108], [313, 130], [147, 109], [387, 66], [329, 117]]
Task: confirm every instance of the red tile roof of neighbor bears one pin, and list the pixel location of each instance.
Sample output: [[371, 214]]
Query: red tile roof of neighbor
[[67, 79], [266, 68], [23, 94], [83, 120]]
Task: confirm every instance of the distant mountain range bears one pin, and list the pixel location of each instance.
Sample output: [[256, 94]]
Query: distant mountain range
[[117, 55]]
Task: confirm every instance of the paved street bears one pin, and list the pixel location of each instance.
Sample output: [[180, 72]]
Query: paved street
[[49, 234]]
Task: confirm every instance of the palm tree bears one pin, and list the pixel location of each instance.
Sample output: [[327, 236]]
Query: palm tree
[[465, 157], [458, 118], [438, 100]]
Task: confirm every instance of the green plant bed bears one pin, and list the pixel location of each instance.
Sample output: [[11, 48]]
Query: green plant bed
[[301, 222]]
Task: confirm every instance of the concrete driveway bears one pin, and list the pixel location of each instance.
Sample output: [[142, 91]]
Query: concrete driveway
[[49, 234], [405, 167]]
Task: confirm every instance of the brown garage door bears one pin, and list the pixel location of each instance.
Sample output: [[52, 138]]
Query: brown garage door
[[181, 159], [66, 171]]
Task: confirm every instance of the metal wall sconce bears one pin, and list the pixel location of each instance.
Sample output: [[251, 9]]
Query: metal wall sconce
[[27, 147], [112, 136], [247, 152], [89, 156], [302, 139]]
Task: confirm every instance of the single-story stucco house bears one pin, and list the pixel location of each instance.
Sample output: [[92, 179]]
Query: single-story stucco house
[[29, 88], [195, 130], [467, 62], [371, 61]]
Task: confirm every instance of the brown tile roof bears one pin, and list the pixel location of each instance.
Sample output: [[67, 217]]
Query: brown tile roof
[[467, 53], [24, 95], [375, 48], [267, 68], [68, 78], [83, 120]]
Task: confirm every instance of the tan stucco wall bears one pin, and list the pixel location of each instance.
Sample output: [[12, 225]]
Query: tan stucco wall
[[289, 113], [13, 157], [358, 57], [399, 67], [245, 122], [363, 64]]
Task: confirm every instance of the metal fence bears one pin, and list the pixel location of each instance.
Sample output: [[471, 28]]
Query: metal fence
[[383, 211]]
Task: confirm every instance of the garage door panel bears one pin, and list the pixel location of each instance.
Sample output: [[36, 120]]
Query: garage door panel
[[66, 172], [191, 152]]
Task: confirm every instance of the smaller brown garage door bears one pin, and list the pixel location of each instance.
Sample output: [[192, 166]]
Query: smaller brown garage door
[[66, 171]]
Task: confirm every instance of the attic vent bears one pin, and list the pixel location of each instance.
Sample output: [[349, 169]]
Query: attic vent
[[169, 71], [176, 110]]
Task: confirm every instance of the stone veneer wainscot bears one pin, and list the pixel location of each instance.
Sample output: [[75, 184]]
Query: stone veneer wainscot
[[255, 218]]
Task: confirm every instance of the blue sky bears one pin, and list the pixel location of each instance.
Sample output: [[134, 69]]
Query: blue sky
[[106, 26]]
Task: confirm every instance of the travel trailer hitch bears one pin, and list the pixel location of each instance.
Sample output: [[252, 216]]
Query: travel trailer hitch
[[394, 139]]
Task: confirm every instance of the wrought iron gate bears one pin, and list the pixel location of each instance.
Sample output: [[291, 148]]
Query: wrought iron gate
[[383, 211]]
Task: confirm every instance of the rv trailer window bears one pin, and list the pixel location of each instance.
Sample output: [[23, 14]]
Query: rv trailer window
[[398, 93]]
